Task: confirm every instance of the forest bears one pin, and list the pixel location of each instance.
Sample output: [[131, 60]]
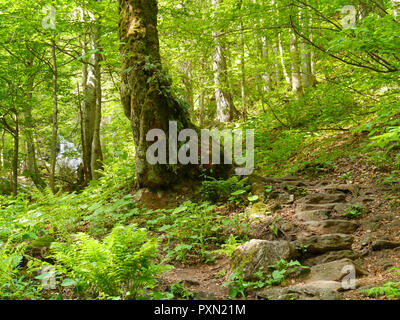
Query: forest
[[200, 150]]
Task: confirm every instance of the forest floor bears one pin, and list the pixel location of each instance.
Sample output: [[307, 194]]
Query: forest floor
[[380, 223]]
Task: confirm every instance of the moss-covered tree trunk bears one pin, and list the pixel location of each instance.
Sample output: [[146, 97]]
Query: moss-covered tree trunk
[[145, 90]]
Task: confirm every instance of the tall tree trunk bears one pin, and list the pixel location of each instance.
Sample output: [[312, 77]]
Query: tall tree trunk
[[97, 154], [55, 119], [92, 155], [297, 86], [225, 107], [242, 68], [15, 157], [145, 96], [33, 171], [308, 77], [282, 55]]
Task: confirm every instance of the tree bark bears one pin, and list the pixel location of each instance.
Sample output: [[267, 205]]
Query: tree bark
[[145, 90], [308, 77], [92, 155], [225, 106], [33, 171], [55, 120], [15, 161], [297, 86]]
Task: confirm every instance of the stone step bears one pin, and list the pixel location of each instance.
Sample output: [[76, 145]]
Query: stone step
[[312, 291], [324, 243], [331, 256], [330, 226], [339, 208], [323, 198], [333, 271], [312, 215]]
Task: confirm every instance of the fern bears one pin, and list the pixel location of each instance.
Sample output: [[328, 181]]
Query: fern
[[122, 265], [390, 290]]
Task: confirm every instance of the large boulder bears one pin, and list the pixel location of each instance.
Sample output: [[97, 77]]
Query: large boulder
[[324, 243], [258, 255]]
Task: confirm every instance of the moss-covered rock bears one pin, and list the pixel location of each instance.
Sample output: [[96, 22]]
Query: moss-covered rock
[[258, 255]]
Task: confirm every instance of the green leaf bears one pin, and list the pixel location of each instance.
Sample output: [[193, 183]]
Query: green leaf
[[68, 282]]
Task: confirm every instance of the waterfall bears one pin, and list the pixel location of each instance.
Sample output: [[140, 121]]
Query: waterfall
[[68, 154]]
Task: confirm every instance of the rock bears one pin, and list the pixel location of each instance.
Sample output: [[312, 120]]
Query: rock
[[369, 225], [296, 184], [380, 218], [257, 255], [324, 243], [331, 256], [190, 283], [341, 208], [332, 271], [286, 198], [299, 292], [313, 215], [327, 285], [384, 244], [202, 295], [312, 207], [323, 198], [330, 226], [346, 188]]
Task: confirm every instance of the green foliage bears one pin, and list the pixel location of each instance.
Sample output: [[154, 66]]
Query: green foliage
[[122, 265], [355, 212], [390, 290], [229, 247], [178, 291], [232, 190], [189, 230], [15, 283], [279, 273]]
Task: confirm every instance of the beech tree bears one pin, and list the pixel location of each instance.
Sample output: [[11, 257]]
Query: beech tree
[[146, 89]]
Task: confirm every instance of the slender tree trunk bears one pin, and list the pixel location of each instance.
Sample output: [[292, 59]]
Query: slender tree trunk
[[97, 154], [282, 55], [225, 106], [15, 157], [297, 86], [2, 148], [92, 154], [33, 171], [306, 54], [242, 70], [55, 120]]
